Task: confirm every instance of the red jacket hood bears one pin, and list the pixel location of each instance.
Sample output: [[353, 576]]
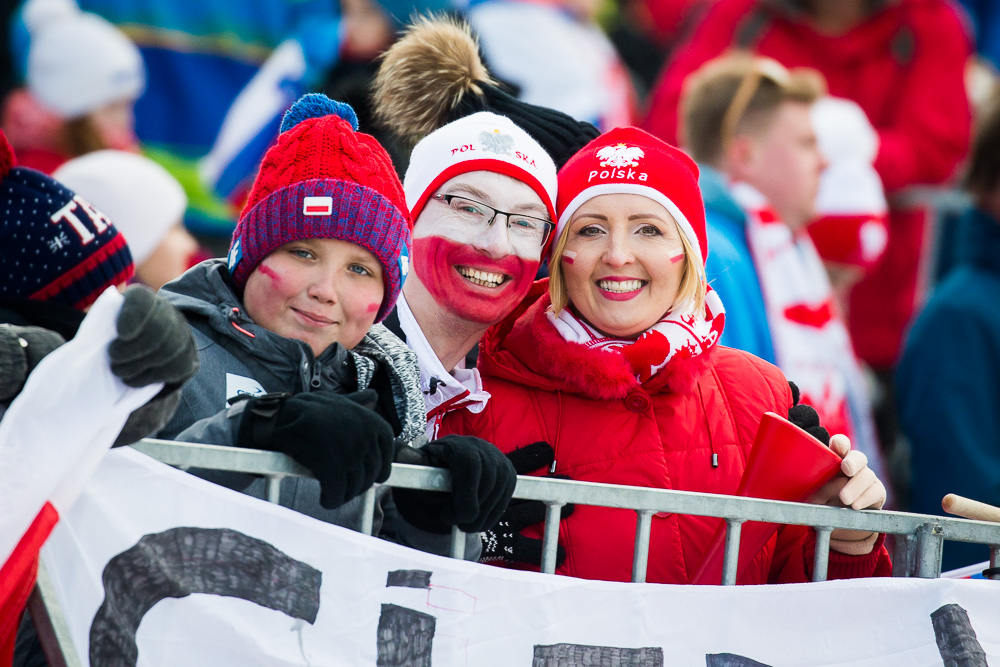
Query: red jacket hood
[[525, 348]]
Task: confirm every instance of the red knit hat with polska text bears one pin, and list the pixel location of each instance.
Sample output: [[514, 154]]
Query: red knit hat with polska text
[[324, 179], [627, 160], [54, 245]]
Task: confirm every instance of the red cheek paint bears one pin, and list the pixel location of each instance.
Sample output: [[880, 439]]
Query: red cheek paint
[[568, 256], [373, 307], [434, 261], [270, 273], [677, 257]]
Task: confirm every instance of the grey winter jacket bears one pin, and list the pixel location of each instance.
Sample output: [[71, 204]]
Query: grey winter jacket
[[238, 356]]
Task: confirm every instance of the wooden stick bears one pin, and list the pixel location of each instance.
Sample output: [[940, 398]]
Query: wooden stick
[[970, 509]]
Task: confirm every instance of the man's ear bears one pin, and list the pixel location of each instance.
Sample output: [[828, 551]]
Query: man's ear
[[740, 157]]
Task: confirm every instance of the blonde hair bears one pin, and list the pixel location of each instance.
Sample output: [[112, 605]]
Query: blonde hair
[[690, 293], [738, 94]]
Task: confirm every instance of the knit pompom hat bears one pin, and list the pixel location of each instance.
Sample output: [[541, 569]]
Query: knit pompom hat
[[628, 160], [54, 245], [434, 76], [324, 179]]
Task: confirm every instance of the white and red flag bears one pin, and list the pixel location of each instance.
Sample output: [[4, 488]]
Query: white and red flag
[[52, 437]]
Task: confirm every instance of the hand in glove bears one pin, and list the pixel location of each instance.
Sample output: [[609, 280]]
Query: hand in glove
[[806, 417], [339, 438], [504, 541], [856, 486], [154, 343], [482, 482], [21, 348]]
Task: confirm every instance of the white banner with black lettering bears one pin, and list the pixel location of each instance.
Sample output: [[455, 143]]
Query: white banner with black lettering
[[156, 567]]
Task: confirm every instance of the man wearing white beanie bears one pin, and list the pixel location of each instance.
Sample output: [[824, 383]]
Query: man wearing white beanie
[[145, 202], [82, 79]]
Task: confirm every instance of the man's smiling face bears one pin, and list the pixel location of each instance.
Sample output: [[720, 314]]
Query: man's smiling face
[[478, 273]]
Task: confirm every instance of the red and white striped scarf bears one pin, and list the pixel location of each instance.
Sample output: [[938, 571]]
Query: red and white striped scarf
[[680, 334]]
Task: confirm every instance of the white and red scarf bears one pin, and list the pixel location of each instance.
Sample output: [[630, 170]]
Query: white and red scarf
[[811, 342], [680, 334]]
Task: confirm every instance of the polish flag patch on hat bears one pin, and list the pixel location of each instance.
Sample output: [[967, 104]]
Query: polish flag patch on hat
[[317, 206]]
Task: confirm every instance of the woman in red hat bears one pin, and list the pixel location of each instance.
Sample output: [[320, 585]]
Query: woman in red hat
[[614, 362]]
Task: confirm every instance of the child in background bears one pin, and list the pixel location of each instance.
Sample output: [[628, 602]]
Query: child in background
[[147, 205], [82, 80], [289, 320]]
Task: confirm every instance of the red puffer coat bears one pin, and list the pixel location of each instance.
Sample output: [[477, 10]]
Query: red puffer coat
[[604, 427]]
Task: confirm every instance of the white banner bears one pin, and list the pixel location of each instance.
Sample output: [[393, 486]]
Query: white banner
[[156, 567]]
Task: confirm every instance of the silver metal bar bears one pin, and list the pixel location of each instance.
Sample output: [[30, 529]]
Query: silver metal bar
[[605, 495], [274, 488], [731, 556], [550, 543], [903, 555], [53, 631], [640, 555], [457, 543], [930, 544], [368, 511], [994, 561], [821, 556]]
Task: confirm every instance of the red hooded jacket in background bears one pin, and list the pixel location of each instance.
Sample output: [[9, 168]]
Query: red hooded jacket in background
[[605, 427], [905, 67]]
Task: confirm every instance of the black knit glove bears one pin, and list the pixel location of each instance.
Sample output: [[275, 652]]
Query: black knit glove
[[482, 482], [21, 348], [339, 438], [154, 343], [806, 417], [504, 541]]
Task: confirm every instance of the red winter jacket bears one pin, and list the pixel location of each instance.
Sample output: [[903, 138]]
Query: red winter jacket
[[905, 67], [604, 427]]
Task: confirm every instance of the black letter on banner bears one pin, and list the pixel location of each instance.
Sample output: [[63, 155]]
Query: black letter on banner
[[408, 579], [575, 655], [405, 637], [956, 639], [730, 660], [182, 561]]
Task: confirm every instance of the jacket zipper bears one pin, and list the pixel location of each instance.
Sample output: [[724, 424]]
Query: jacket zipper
[[315, 381]]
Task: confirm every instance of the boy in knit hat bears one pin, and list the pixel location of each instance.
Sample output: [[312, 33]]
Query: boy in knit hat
[[289, 320]]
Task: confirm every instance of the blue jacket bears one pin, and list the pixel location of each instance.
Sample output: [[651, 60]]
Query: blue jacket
[[948, 385], [730, 269]]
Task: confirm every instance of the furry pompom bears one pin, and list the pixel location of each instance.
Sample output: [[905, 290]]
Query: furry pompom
[[317, 105], [425, 74]]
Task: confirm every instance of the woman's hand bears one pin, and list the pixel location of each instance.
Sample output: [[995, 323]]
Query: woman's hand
[[856, 487]]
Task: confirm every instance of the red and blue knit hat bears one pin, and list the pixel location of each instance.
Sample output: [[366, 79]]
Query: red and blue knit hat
[[324, 179], [54, 245]]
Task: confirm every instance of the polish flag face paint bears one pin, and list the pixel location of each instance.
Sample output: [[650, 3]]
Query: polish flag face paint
[[568, 256], [677, 256]]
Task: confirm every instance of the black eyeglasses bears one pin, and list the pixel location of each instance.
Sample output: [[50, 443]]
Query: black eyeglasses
[[525, 230]]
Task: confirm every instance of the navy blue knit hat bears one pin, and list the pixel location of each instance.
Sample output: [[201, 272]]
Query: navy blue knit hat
[[324, 179], [54, 245]]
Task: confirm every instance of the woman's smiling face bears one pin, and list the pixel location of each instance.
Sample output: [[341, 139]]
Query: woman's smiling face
[[623, 263]]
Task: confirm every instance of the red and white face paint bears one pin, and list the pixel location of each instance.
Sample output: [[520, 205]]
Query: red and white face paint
[[477, 274]]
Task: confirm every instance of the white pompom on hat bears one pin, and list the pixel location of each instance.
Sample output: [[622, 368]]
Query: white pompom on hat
[[482, 141], [851, 225], [140, 196], [78, 62]]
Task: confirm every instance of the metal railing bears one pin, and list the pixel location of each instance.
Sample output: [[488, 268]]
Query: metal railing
[[919, 538]]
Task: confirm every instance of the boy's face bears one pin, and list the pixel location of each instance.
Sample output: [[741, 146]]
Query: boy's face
[[319, 291], [476, 273], [784, 163]]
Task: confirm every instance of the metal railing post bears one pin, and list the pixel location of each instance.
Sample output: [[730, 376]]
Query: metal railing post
[[903, 555], [640, 555], [368, 511], [274, 488], [53, 631], [994, 561], [731, 556], [821, 556], [550, 543], [457, 543], [929, 547]]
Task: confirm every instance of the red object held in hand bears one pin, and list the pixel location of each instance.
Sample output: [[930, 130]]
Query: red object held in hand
[[785, 463]]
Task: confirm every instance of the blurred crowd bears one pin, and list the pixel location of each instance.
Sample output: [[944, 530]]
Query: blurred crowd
[[830, 165]]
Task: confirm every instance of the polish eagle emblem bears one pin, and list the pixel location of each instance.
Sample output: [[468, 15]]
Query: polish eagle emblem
[[620, 155]]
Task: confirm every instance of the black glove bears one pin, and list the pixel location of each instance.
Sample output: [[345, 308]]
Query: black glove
[[482, 482], [503, 541], [21, 348], [343, 443], [154, 343], [806, 417]]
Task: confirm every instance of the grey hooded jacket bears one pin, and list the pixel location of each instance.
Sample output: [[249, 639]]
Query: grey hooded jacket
[[238, 356]]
